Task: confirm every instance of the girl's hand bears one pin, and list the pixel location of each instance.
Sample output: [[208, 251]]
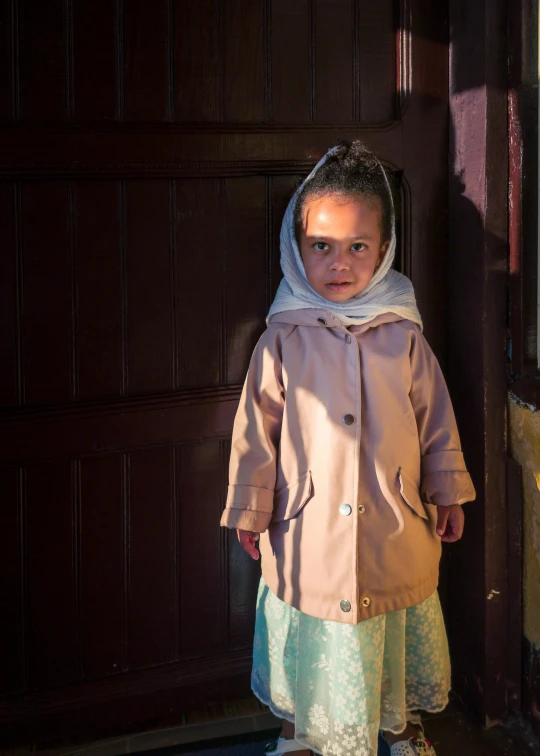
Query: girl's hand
[[450, 522], [247, 540]]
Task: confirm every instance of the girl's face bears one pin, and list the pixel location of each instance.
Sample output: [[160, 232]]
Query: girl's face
[[341, 244]]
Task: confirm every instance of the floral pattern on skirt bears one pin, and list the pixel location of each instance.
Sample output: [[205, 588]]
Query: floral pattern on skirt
[[341, 683]]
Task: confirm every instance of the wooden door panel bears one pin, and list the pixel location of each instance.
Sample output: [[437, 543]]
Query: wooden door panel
[[243, 62], [50, 559], [197, 78], [272, 62], [12, 595], [128, 266], [376, 61], [103, 570], [145, 45], [6, 63], [99, 289], [291, 62], [334, 61], [146, 162], [138, 573], [96, 69], [149, 322], [247, 291], [9, 306], [200, 262], [42, 91], [47, 321], [203, 549], [152, 593]]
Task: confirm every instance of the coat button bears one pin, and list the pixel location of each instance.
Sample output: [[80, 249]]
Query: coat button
[[361, 508], [348, 419], [322, 321], [348, 338], [366, 602], [345, 605], [345, 510]]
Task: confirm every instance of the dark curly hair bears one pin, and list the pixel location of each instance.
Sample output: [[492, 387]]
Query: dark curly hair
[[354, 170]]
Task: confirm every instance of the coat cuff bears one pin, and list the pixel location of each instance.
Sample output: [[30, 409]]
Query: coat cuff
[[445, 488], [248, 508], [245, 519], [448, 461]]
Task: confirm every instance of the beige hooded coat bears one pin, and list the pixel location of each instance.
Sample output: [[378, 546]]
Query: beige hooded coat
[[343, 442]]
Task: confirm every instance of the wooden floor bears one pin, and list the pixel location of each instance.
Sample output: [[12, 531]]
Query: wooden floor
[[452, 733], [242, 728]]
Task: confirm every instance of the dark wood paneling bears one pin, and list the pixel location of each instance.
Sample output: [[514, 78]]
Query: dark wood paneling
[[52, 574], [200, 263], [202, 477], [8, 295], [246, 278], [147, 60], [203, 61], [103, 574], [43, 60], [148, 288], [12, 595], [245, 95], [197, 61], [376, 60], [46, 268], [8, 12], [152, 559], [291, 58], [95, 65], [93, 713], [334, 30], [99, 289]]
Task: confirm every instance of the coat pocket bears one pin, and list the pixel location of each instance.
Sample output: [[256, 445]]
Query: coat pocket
[[410, 495], [290, 500]]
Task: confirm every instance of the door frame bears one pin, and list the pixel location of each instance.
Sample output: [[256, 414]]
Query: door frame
[[481, 597]]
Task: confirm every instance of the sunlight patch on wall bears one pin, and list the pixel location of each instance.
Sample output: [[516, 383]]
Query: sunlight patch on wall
[[524, 427]]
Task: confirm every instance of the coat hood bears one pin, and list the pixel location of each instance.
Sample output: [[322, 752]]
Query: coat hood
[[320, 318]]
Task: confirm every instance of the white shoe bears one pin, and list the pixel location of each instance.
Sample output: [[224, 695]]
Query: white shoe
[[284, 745], [413, 747]]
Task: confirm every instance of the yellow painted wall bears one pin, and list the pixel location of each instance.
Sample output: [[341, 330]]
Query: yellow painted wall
[[524, 441]]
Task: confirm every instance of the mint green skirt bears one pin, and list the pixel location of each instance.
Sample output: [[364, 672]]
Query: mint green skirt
[[341, 683]]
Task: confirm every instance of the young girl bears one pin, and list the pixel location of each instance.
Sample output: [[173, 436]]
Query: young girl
[[346, 461]]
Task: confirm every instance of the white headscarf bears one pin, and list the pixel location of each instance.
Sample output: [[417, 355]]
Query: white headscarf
[[388, 290]]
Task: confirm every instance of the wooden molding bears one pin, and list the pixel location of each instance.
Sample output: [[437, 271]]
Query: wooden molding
[[42, 152], [91, 428]]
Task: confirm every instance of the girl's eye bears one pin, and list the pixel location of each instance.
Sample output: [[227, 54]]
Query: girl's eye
[[321, 246], [358, 247]]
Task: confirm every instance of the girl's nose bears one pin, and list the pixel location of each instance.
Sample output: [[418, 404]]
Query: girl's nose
[[339, 261]]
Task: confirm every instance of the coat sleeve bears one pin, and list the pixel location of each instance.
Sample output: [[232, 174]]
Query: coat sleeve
[[444, 476], [255, 440]]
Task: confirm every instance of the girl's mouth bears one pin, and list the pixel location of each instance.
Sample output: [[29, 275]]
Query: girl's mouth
[[338, 286]]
